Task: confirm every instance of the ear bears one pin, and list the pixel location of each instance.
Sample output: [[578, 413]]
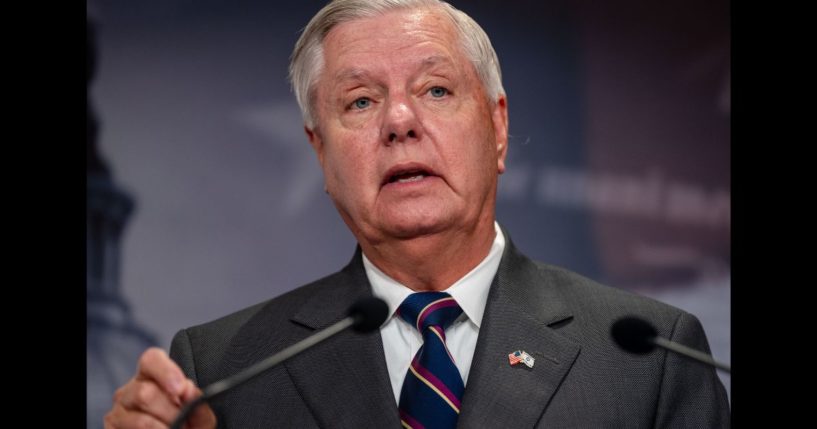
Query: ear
[[500, 119], [317, 143]]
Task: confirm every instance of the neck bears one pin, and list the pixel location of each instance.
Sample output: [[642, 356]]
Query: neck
[[433, 262]]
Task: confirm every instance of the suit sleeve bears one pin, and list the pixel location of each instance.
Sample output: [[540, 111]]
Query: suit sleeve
[[691, 393], [181, 351]]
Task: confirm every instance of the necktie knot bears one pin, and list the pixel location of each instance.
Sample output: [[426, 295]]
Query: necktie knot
[[424, 309]]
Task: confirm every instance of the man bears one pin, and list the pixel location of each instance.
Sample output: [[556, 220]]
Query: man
[[404, 106]]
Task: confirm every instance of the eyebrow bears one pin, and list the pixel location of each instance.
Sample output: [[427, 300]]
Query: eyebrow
[[352, 74], [358, 74]]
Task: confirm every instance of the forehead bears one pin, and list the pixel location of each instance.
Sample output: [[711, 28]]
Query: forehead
[[401, 38]]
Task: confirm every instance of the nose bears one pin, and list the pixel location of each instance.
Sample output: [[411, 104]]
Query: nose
[[400, 123]]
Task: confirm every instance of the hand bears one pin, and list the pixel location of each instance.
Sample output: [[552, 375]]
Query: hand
[[154, 396]]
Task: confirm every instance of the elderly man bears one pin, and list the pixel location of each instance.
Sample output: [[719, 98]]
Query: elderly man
[[404, 106]]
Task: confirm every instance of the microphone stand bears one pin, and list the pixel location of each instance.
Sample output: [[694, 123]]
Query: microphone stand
[[690, 353], [223, 385]]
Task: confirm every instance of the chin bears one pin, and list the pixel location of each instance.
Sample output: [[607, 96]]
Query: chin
[[407, 226]]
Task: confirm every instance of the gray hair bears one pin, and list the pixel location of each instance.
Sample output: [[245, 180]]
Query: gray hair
[[307, 58]]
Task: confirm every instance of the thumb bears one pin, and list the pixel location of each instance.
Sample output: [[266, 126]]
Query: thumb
[[202, 417]]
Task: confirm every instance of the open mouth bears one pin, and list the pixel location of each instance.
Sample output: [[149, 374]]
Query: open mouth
[[407, 174]]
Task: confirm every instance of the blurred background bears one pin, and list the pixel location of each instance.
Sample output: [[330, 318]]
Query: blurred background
[[204, 196]]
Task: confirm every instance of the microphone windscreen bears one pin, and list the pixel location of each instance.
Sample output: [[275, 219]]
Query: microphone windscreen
[[634, 335], [369, 313]]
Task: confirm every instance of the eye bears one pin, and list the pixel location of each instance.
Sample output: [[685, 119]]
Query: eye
[[361, 103], [438, 92]]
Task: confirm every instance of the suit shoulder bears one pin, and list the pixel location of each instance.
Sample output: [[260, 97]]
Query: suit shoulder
[[593, 299], [283, 306], [214, 349]]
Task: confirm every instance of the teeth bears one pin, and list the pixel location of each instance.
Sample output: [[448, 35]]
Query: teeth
[[411, 179]]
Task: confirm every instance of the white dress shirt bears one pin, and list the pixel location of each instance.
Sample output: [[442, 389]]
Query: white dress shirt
[[401, 340]]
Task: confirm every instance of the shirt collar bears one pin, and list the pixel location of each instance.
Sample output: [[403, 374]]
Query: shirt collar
[[470, 291]]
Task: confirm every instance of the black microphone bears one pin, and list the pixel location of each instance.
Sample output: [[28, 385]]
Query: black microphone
[[365, 315], [638, 336]]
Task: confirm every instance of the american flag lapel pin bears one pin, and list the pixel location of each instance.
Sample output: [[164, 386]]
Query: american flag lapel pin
[[521, 356]]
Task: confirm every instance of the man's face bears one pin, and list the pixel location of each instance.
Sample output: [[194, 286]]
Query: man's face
[[407, 138]]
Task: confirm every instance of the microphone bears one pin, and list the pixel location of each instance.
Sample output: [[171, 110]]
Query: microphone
[[365, 315], [638, 336]]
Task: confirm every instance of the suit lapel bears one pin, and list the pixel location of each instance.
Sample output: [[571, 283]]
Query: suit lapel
[[344, 380], [518, 314]]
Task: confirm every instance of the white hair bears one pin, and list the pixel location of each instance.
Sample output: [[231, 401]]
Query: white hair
[[307, 58]]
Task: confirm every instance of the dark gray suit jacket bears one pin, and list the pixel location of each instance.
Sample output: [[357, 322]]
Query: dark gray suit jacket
[[580, 379]]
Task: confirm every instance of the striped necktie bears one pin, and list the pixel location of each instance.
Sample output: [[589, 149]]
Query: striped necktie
[[431, 393]]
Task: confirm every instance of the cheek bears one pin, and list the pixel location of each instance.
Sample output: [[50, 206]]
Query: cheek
[[349, 167], [476, 159], [341, 169], [472, 142]]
